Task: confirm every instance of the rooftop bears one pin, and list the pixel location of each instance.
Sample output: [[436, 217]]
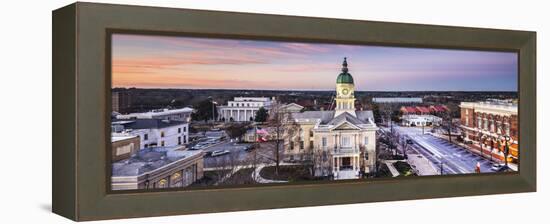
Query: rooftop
[[507, 106], [150, 159], [115, 137], [146, 123], [159, 112]]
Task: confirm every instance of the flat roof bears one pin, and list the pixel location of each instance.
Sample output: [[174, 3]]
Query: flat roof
[[150, 159], [116, 138]]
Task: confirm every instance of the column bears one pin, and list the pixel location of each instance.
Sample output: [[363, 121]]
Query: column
[[238, 115]]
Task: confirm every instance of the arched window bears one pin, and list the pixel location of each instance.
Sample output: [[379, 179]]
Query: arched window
[[163, 183]]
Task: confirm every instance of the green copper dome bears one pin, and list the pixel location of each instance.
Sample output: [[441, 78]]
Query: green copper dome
[[344, 77]]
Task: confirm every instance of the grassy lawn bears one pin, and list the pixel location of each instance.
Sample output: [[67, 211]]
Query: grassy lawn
[[289, 173], [404, 168]]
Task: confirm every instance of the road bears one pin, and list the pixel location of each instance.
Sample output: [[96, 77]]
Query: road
[[456, 160], [237, 153]]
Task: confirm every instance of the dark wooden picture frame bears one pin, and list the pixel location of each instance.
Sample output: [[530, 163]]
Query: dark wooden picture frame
[[81, 110]]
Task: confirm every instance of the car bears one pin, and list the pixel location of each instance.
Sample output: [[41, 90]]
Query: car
[[219, 153], [409, 141], [249, 148], [469, 142], [499, 167]]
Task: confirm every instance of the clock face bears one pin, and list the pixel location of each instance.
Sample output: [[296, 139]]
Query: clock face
[[345, 91]]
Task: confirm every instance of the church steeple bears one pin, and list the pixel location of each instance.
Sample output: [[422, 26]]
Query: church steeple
[[345, 99]]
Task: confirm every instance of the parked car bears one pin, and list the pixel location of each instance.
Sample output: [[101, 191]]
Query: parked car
[[219, 153], [249, 148], [409, 141], [499, 168]]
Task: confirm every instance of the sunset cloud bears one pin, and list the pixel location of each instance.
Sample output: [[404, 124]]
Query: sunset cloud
[[145, 61]]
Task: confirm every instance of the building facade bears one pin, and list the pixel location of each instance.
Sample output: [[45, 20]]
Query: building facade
[[413, 120], [243, 108], [398, 100], [121, 101], [341, 143], [154, 132], [123, 146], [488, 124], [158, 167], [181, 114]]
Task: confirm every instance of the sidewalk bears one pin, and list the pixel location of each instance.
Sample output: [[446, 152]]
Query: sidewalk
[[259, 179], [392, 169]]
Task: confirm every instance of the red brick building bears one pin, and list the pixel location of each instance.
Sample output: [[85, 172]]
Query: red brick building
[[487, 124]]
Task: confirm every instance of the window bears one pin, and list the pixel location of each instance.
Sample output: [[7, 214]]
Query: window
[[179, 140], [324, 141], [310, 133], [366, 140], [162, 134], [366, 156], [466, 121], [184, 139], [291, 145], [179, 130], [184, 129], [311, 144], [145, 137], [479, 122], [302, 144], [466, 111], [161, 143], [346, 141]]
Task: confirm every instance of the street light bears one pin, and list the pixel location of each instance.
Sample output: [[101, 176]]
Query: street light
[[492, 147], [506, 149]]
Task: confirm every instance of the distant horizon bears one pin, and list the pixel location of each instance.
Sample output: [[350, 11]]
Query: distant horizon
[[317, 90], [167, 62]]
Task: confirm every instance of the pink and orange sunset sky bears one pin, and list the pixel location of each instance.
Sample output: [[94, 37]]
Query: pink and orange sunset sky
[[145, 61]]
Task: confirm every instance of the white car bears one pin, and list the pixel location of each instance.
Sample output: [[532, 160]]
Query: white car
[[219, 152]]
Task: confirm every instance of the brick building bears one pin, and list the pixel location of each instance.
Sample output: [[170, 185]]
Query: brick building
[[487, 124]]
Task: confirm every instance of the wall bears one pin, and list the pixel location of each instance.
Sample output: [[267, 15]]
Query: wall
[[27, 56]]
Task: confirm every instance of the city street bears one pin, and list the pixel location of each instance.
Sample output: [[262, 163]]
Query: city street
[[456, 160], [237, 153]]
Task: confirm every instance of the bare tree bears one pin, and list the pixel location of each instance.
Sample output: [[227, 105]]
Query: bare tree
[[319, 162], [448, 123], [282, 126]]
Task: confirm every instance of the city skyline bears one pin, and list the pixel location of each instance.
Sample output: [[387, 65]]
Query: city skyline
[[199, 63]]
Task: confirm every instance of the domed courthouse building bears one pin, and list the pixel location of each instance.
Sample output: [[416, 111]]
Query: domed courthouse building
[[342, 142]]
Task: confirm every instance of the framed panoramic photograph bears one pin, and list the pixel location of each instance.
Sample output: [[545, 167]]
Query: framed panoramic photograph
[[200, 111]]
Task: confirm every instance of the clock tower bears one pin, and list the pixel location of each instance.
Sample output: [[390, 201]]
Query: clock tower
[[345, 99]]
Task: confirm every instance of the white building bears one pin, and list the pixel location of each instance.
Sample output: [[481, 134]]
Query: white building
[[154, 132], [181, 114], [342, 142], [397, 100], [420, 120], [243, 108]]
